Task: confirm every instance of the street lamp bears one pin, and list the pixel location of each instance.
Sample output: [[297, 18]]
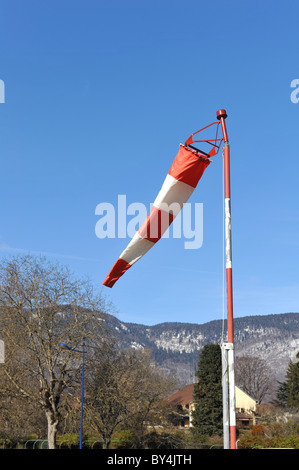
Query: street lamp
[[65, 346]]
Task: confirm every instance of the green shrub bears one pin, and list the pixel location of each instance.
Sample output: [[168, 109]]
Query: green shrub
[[125, 439], [164, 440], [249, 442], [68, 441]]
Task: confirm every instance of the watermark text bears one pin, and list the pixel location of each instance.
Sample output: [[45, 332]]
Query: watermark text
[[295, 93], [170, 221]]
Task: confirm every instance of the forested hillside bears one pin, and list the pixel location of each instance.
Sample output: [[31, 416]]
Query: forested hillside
[[176, 346]]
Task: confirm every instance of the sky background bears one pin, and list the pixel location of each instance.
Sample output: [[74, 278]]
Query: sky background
[[98, 97]]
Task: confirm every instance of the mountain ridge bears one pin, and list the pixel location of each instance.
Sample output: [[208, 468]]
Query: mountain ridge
[[176, 345]]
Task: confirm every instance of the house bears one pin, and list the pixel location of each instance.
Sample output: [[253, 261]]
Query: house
[[246, 409], [182, 402]]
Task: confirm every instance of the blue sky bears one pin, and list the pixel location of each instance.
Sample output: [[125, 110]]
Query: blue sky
[[98, 97]]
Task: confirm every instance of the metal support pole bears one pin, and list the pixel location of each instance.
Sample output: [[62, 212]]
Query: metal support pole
[[221, 116], [225, 396], [232, 400]]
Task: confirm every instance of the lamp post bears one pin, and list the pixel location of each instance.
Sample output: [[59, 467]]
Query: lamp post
[[65, 346]]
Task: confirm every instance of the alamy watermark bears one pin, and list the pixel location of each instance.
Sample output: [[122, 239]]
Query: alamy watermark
[[295, 93], [125, 220]]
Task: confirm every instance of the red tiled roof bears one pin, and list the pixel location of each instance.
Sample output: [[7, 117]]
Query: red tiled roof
[[183, 396]]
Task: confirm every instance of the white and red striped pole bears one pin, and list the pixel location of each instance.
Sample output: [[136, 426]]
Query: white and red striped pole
[[221, 115]]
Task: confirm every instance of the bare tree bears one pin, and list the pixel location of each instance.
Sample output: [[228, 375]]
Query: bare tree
[[124, 387], [41, 306], [19, 417], [254, 377]]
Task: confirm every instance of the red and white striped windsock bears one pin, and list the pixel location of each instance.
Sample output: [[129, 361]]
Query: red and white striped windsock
[[180, 182]]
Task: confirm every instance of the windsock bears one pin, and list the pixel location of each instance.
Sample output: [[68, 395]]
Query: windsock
[[180, 182]]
